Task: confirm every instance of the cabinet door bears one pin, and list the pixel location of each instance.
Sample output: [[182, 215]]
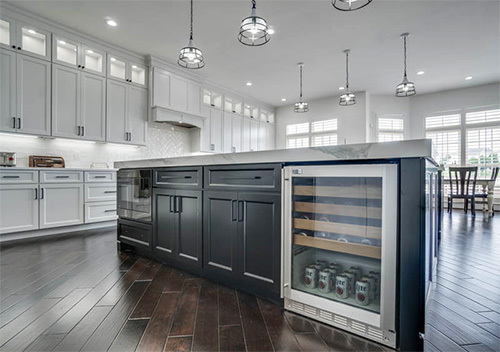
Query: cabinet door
[[7, 91], [227, 133], [137, 115], [254, 135], [93, 107], [259, 231], [220, 232], [189, 226], [246, 135], [33, 41], [7, 30], [137, 74], [61, 205], [18, 208], [263, 136], [33, 95], [194, 98], [93, 60], [65, 102], [117, 68], [164, 229], [216, 130], [178, 93], [161, 88], [270, 136], [116, 108], [237, 133], [66, 52]]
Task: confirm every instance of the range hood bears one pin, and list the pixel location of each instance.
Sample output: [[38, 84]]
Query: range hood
[[159, 114]]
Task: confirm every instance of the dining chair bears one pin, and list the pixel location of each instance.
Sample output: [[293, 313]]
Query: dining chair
[[483, 196], [463, 186]]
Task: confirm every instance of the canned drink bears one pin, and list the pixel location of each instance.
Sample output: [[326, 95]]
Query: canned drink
[[372, 281], [363, 292], [376, 275], [325, 281], [341, 286], [322, 263], [335, 266], [357, 271], [311, 277], [351, 275]]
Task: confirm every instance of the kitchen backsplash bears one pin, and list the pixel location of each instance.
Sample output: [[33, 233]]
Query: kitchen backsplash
[[163, 141]]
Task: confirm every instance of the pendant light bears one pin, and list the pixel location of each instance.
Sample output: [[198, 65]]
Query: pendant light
[[301, 106], [350, 5], [405, 88], [190, 56], [253, 29], [347, 98]]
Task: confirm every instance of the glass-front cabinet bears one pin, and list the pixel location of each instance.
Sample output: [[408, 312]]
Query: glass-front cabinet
[[340, 245], [74, 54], [125, 70], [25, 38]]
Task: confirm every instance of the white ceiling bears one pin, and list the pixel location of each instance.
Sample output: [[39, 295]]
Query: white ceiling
[[449, 41]]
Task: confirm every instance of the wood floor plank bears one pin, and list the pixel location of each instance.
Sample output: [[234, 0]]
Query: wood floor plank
[[228, 307], [231, 338], [178, 344], [157, 331], [206, 327], [149, 273], [128, 339], [459, 309], [176, 281], [254, 329], [279, 330], [298, 323], [439, 340], [45, 343], [311, 341], [492, 328], [78, 336], [185, 315], [106, 332], [493, 316], [335, 339], [478, 347]]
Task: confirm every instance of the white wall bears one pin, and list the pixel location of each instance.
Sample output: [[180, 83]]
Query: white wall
[[388, 104], [450, 101], [162, 141], [352, 120]]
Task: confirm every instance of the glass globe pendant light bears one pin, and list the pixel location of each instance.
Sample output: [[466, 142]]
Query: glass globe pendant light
[[350, 5], [253, 29], [301, 106], [347, 98], [190, 56], [405, 88]]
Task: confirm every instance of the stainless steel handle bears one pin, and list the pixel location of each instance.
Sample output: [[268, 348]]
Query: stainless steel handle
[[19, 123], [109, 191], [241, 178], [79, 130], [172, 205], [178, 204], [9, 176], [234, 210], [109, 210], [240, 210], [62, 176]]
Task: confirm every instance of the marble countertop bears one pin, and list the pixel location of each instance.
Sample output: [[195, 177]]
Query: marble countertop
[[421, 148], [14, 168]]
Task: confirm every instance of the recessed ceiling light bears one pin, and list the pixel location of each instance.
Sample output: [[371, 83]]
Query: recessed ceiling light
[[110, 22], [134, 66], [113, 59], [420, 73], [283, 99], [468, 78], [271, 31], [249, 84], [341, 88], [30, 31], [90, 51], [62, 42]]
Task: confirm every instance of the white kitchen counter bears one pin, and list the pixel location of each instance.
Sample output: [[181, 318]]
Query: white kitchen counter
[[417, 148], [52, 168]]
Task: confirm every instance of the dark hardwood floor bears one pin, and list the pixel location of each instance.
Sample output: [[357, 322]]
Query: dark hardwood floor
[[78, 293]]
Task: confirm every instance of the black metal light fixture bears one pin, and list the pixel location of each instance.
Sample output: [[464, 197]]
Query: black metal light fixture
[[350, 5], [253, 29], [405, 88], [190, 56], [301, 106], [347, 98]]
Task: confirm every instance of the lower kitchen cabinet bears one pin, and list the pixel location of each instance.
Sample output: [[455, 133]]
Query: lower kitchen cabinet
[[134, 233], [178, 226], [61, 205], [18, 208], [100, 211]]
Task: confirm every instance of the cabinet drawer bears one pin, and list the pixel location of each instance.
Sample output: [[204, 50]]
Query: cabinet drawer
[[178, 177], [95, 192], [61, 176], [134, 233], [18, 176], [100, 176], [255, 177], [100, 211]]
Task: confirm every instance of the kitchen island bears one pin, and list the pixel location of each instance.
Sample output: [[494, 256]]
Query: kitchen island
[[259, 221]]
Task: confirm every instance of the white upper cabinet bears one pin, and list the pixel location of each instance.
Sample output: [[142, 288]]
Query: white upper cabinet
[[233, 105], [211, 135], [251, 111], [227, 133], [76, 55], [126, 70], [93, 107], [270, 118], [137, 115], [245, 135], [254, 135], [8, 91], [177, 93], [24, 38], [237, 134], [213, 98], [263, 136]]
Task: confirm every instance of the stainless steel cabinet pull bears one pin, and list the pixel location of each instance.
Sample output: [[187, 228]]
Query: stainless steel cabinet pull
[[241, 215], [62, 176], [178, 204], [9, 176], [241, 178], [109, 210], [234, 210], [109, 191], [172, 205]]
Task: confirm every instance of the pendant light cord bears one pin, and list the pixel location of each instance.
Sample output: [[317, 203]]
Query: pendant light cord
[[191, 35], [404, 39], [347, 70], [300, 83], [254, 4]]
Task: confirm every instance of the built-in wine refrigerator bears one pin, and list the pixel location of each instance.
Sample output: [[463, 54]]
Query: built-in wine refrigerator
[[340, 246]]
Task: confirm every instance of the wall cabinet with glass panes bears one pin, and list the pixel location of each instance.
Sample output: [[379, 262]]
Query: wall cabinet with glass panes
[[24, 38], [125, 70], [251, 111], [213, 98], [68, 52], [233, 105]]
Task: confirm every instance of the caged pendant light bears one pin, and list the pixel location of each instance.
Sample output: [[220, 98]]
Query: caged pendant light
[[190, 56], [347, 98], [350, 5], [253, 29], [405, 88], [301, 106]]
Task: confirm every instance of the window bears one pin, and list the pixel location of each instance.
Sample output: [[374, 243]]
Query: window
[[390, 128], [316, 134], [482, 117], [445, 132]]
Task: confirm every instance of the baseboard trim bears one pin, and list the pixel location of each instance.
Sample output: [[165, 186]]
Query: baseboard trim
[[15, 237]]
